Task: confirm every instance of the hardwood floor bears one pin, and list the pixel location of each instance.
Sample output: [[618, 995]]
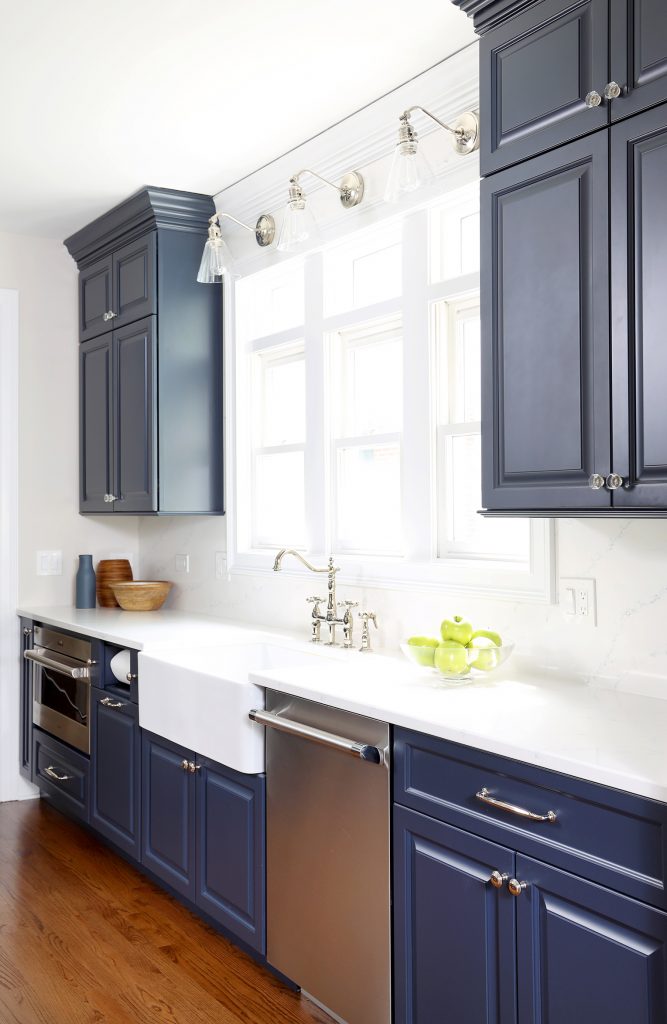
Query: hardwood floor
[[87, 939]]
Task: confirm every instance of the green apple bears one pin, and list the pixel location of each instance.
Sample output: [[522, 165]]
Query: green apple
[[487, 659], [494, 639], [456, 629], [425, 649], [451, 658]]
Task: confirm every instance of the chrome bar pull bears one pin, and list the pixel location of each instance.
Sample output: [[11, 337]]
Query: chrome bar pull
[[109, 703], [53, 774], [485, 797], [57, 666], [364, 751]]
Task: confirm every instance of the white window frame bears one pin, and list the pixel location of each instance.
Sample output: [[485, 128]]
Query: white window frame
[[419, 568]]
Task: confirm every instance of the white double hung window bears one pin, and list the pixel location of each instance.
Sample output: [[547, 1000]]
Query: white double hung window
[[356, 411]]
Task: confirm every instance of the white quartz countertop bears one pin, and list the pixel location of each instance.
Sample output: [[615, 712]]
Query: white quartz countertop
[[607, 736]]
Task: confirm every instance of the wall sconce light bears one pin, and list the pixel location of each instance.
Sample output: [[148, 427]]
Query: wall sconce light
[[216, 258], [299, 226], [410, 168]]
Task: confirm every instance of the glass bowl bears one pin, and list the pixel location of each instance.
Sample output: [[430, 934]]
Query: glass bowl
[[462, 665]]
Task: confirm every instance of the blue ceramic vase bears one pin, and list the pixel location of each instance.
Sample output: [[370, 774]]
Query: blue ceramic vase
[[85, 583]]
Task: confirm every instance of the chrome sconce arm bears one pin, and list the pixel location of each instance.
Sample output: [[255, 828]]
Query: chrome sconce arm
[[350, 190], [299, 229], [465, 130], [216, 258]]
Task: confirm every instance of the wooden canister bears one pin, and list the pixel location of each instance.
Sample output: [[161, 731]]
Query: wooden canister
[[111, 570]]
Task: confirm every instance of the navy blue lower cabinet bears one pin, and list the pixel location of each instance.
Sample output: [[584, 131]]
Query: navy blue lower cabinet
[[168, 813], [116, 771], [454, 933], [587, 954], [231, 850], [25, 703]]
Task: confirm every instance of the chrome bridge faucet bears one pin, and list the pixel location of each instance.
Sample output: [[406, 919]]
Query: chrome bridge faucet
[[330, 616]]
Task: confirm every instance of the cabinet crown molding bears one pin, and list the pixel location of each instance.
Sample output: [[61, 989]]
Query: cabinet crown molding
[[143, 211], [488, 14]]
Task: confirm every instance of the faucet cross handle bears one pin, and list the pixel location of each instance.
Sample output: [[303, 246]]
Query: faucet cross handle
[[348, 604], [315, 600]]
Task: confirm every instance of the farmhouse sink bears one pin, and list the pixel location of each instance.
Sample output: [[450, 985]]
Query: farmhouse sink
[[200, 697]]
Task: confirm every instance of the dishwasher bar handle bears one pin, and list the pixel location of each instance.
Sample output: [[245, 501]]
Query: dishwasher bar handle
[[57, 666], [364, 751]]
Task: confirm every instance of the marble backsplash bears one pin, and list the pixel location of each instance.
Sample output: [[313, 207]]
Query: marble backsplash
[[628, 560]]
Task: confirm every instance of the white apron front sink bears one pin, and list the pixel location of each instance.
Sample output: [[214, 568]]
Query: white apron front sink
[[200, 697]]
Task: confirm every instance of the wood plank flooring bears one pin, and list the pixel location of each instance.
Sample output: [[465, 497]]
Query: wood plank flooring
[[87, 939]]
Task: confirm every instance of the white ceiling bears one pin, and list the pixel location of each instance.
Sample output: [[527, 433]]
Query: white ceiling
[[100, 99]]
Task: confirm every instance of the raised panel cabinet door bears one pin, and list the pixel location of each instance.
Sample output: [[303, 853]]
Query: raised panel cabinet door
[[25, 702], [116, 771], [95, 433], [95, 299], [134, 280], [545, 331], [231, 864], [168, 813], [454, 933], [638, 54], [639, 308], [586, 953], [135, 417], [536, 71]]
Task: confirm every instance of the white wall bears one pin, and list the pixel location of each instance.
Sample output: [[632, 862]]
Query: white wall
[[45, 277]]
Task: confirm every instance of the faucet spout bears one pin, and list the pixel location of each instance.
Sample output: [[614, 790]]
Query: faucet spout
[[277, 565]]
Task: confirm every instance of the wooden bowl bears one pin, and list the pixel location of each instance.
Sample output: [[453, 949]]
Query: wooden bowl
[[110, 571], [141, 595]]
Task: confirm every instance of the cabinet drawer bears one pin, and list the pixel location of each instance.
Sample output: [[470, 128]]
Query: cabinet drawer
[[608, 836], [61, 773]]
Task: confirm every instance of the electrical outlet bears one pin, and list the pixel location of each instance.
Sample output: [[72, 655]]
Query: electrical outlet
[[49, 563], [577, 601], [181, 563], [220, 565]]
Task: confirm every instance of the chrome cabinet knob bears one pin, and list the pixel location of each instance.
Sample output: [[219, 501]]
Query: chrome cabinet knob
[[27, 631], [131, 676], [192, 767], [185, 765], [109, 315], [593, 99], [596, 482], [612, 91], [498, 879], [614, 481], [516, 887], [109, 498]]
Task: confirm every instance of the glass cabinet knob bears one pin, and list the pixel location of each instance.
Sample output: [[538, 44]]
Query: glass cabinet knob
[[593, 99], [596, 482]]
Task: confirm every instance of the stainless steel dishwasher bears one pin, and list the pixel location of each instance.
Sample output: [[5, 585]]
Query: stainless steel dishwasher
[[328, 860]]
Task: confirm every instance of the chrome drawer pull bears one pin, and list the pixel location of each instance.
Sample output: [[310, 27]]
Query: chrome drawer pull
[[109, 703], [485, 797], [53, 774]]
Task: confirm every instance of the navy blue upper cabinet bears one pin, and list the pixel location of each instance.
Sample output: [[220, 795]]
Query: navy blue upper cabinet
[[536, 71], [116, 771], [585, 953], [638, 54], [168, 813], [95, 297], [639, 307], [230, 850], [95, 424], [134, 281], [139, 295], [545, 337], [135, 417], [454, 933]]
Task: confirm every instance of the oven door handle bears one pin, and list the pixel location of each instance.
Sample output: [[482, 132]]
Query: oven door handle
[[57, 666]]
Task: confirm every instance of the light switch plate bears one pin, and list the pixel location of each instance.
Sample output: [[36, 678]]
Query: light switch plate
[[182, 563], [577, 601], [49, 563]]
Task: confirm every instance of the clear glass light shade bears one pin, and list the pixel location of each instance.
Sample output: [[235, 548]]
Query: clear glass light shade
[[216, 260], [409, 171], [298, 230]]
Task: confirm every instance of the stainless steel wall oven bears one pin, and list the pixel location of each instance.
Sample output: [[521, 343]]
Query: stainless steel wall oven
[[62, 669]]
